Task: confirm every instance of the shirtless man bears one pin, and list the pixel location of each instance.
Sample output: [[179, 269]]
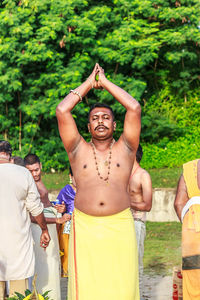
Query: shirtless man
[[102, 250], [47, 263], [140, 189]]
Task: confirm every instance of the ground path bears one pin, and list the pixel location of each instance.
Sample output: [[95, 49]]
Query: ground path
[[156, 287]]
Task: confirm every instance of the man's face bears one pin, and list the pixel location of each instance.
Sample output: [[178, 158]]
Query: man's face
[[35, 170], [101, 124]]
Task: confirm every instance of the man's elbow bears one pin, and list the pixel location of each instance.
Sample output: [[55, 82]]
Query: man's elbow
[[176, 206], [135, 107], [148, 207], [59, 111]]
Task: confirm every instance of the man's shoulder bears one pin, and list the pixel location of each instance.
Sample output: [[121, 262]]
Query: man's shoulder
[[194, 162], [15, 169], [142, 175], [16, 176], [41, 186], [144, 171]]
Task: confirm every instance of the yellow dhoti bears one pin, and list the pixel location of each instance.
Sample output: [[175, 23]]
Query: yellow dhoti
[[103, 257], [191, 253]]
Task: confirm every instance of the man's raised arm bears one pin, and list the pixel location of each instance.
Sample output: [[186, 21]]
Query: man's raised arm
[[66, 124], [132, 123]]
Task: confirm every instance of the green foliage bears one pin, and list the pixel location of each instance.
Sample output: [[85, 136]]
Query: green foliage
[[28, 295], [149, 48], [173, 154]]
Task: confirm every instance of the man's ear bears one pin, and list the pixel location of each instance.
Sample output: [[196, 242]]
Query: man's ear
[[41, 166], [114, 125], [88, 127]]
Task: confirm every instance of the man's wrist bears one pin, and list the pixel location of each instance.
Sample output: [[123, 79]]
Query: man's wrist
[[77, 93], [44, 228], [103, 82]]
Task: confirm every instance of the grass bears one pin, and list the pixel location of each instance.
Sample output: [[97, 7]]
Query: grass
[[55, 181], [165, 178], [162, 247]]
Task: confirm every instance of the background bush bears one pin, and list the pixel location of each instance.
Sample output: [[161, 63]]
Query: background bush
[[149, 48]]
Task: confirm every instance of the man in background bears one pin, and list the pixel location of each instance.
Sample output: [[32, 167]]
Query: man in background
[[18, 198], [187, 206], [140, 189], [48, 262]]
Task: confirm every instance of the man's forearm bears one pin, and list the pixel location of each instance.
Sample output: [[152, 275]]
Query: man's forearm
[[47, 220], [178, 209], [121, 95], [70, 101], [40, 219], [141, 206]]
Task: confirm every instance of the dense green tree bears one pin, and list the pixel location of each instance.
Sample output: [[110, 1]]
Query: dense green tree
[[151, 48]]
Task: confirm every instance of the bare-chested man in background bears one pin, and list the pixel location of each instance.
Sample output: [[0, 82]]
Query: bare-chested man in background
[[48, 262], [140, 189], [103, 258]]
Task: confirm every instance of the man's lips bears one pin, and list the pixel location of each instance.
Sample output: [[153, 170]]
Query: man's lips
[[101, 127]]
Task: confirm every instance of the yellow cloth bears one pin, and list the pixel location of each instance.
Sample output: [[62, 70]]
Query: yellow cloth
[[63, 243], [103, 260], [191, 237], [190, 177]]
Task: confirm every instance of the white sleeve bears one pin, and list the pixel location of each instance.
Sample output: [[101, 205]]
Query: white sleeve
[[33, 202]]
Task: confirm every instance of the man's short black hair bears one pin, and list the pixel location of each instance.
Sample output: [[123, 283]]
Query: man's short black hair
[[5, 147], [18, 161], [98, 104], [31, 159], [139, 154]]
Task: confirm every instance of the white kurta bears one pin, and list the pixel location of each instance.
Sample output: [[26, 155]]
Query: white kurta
[[47, 265], [18, 197]]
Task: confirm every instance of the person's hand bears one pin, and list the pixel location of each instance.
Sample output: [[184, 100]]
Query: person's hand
[[63, 219], [101, 76], [93, 77], [44, 239], [61, 208]]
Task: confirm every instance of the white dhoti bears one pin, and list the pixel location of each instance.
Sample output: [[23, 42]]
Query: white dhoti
[[140, 230], [47, 262]]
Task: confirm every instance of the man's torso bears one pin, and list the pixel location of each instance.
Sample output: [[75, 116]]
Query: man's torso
[[105, 196], [136, 194]]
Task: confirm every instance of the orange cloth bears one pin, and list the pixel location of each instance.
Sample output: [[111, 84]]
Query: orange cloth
[[191, 284], [191, 236], [63, 243], [190, 177]]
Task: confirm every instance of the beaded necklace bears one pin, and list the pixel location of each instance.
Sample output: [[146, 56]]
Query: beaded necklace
[[107, 162]]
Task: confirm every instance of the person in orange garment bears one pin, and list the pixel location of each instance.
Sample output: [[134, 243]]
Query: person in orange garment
[[187, 206]]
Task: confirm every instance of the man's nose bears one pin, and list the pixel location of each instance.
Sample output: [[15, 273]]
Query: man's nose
[[100, 120]]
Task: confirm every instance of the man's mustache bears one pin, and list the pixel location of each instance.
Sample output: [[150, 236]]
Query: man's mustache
[[101, 126]]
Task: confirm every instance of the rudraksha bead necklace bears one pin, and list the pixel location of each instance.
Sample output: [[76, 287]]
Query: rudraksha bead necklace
[[107, 162]]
